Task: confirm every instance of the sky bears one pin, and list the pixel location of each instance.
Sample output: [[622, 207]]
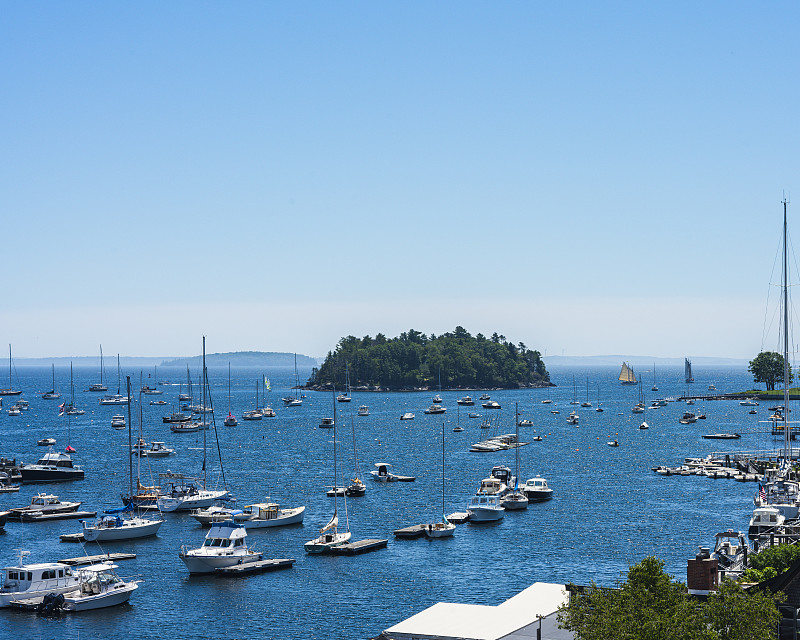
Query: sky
[[586, 178]]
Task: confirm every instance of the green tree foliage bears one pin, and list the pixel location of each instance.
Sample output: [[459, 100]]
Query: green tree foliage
[[413, 360], [771, 561], [650, 606], [767, 368]]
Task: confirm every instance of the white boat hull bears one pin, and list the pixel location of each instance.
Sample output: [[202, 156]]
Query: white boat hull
[[198, 562], [202, 500], [285, 517], [76, 601], [440, 530], [129, 530], [325, 542], [477, 514]]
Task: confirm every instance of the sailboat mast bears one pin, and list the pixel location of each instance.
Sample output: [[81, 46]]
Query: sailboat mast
[[442, 468], [786, 435], [204, 427], [335, 470], [10, 386], [101, 365], [516, 448], [130, 443]]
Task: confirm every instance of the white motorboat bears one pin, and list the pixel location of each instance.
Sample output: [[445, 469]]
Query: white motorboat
[[184, 427], [100, 587], [253, 414], [112, 526], [46, 503], [151, 391], [491, 404], [268, 412], [765, 520], [157, 450], [536, 489], [485, 396], [485, 508], [5, 484], [254, 516], [437, 399], [382, 473], [466, 401], [748, 403], [363, 410], [688, 418], [118, 422], [52, 467], [46, 442], [326, 423], [186, 496], [28, 581], [15, 411], [407, 416], [139, 446], [573, 418], [112, 400], [435, 408], [224, 546], [474, 415]]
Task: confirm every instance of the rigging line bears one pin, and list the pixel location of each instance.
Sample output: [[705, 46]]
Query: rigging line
[[216, 433], [765, 331]]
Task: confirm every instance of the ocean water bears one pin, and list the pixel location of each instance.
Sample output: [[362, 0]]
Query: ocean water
[[609, 509]]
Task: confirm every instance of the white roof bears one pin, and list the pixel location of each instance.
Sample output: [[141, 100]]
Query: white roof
[[481, 622]]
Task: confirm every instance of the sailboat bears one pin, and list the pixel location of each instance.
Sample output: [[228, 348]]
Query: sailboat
[[574, 392], [10, 391], [639, 406], [626, 375], [687, 370], [253, 414], [599, 408], [654, 387], [458, 428], [356, 488], [117, 398], [296, 401], [99, 386], [587, 403], [445, 528], [515, 500], [329, 535], [267, 411], [52, 394], [345, 397], [113, 525], [437, 399], [184, 495], [70, 409], [230, 421]]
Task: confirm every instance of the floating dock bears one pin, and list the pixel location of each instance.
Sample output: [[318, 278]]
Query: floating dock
[[360, 546], [103, 557], [459, 517], [72, 537], [258, 566], [414, 531], [47, 517]]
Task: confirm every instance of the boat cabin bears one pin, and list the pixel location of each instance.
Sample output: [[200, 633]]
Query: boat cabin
[[503, 474], [490, 487], [55, 459], [49, 576]]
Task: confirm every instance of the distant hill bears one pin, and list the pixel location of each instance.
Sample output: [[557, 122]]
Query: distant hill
[[244, 359], [641, 361]]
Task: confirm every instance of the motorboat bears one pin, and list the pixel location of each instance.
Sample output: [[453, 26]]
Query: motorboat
[[158, 402], [356, 488], [139, 446], [526, 423], [114, 399], [268, 412], [748, 403], [97, 387], [485, 396], [514, 500], [721, 436], [573, 418], [45, 503], [185, 427], [466, 401], [52, 467], [6, 485], [254, 414], [260, 515], [613, 443], [474, 415], [118, 422], [151, 391], [176, 418], [382, 472], [156, 450], [491, 404], [485, 508], [184, 495], [688, 418], [547, 401], [491, 487], [294, 402], [230, 420], [701, 416], [536, 489], [363, 410], [504, 475], [437, 399], [765, 520], [100, 587], [326, 423], [458, 429], [112, 526], [28, 581], [224, 546], [46, 442], [435, 408], [15, 411], [638, 408]]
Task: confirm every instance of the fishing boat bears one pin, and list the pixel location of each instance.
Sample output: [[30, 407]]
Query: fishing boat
[[46, 503], [157, 450], [53, 466], [10, 391], [445, 528], [100, 587], [485, 508], [29, 581], [224, 546], [435, 408], [329, 535], [626, 374], [52, 394], [537, 490]]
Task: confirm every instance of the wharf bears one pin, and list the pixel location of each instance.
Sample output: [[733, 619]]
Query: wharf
[[459, 517], [72, 537], [35, 516], [358, 547], [258, 566], [103, 557], [414, 531]]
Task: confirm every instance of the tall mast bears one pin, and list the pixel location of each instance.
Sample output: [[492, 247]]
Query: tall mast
[[118, 378], [786, 435], [335, 470], [10, 386], [442, 469], [101, 365], [130, 443], [204, 427]]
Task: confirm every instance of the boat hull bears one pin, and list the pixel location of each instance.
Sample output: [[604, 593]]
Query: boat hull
[[202, 500], [40, 474], [142, 529], [326, 542], [485, 515], [109, 598], [200, 563], [285, 517]]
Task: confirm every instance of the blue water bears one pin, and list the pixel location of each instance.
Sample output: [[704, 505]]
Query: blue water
[[609, 509]]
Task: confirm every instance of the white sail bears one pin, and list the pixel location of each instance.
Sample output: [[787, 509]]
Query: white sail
[[331, 525]]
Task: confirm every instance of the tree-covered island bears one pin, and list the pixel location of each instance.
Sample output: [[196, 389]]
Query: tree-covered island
[[413, 360]]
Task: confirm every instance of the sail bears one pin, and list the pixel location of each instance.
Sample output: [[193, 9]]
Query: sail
[[687, 366], [626, 375], [267, 385], [331, 525]]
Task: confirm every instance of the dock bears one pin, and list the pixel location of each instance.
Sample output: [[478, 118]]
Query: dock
[[414, 531], [358, 547], [459, 517], [47, 517], [72, 537], [259, 566], [103, 557]]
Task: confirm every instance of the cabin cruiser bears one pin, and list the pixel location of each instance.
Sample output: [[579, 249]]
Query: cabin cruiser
[[97, 387], [114, 400], [572, 418], [254, 516], [46, 503], [765, 520], [491, 404], [184, 496], [46, 442], [491, 487], [118, 421], [254, 414], [15, 411], [407, 416], [688, 418], [655, 404], [326, 423], [437, 399], [185, 427], [176, 417], [435, 408], [224, 546], [151, 391], [268, 412], [100, 587], [363, 410], [156, 450], [485, 508], [485, 396], [52, 467], [536, 489], [466, 401], [27, 581]]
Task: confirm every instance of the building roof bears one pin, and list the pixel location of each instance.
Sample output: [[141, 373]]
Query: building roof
[[446, 620]]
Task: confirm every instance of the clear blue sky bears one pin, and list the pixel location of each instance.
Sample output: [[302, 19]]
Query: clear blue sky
[[588, 178]]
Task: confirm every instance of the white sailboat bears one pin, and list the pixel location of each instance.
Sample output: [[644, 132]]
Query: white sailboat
[[52, 394], [345, 397], [230, 420], [116, 398], [515, 500], [445, 528], [10, 391], [654, 387], [329, 535], [99, 386]]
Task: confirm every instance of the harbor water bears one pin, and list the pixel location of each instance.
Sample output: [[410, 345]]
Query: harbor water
[[609, 509]]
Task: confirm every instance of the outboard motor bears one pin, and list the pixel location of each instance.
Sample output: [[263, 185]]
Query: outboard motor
[[51, 604]]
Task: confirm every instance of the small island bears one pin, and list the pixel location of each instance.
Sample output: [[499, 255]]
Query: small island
[[414, 361]]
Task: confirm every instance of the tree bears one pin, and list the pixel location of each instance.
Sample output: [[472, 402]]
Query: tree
[[649, 605], [767, 367]]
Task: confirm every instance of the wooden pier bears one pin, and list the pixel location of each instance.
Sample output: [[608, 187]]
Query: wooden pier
[[358, 547], [72, 537], [459, 517], [259, 566], [103, 557], [414, 531]]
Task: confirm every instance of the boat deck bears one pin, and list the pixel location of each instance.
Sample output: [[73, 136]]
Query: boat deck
[[459, 517], [358, 547], [258, 566]]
